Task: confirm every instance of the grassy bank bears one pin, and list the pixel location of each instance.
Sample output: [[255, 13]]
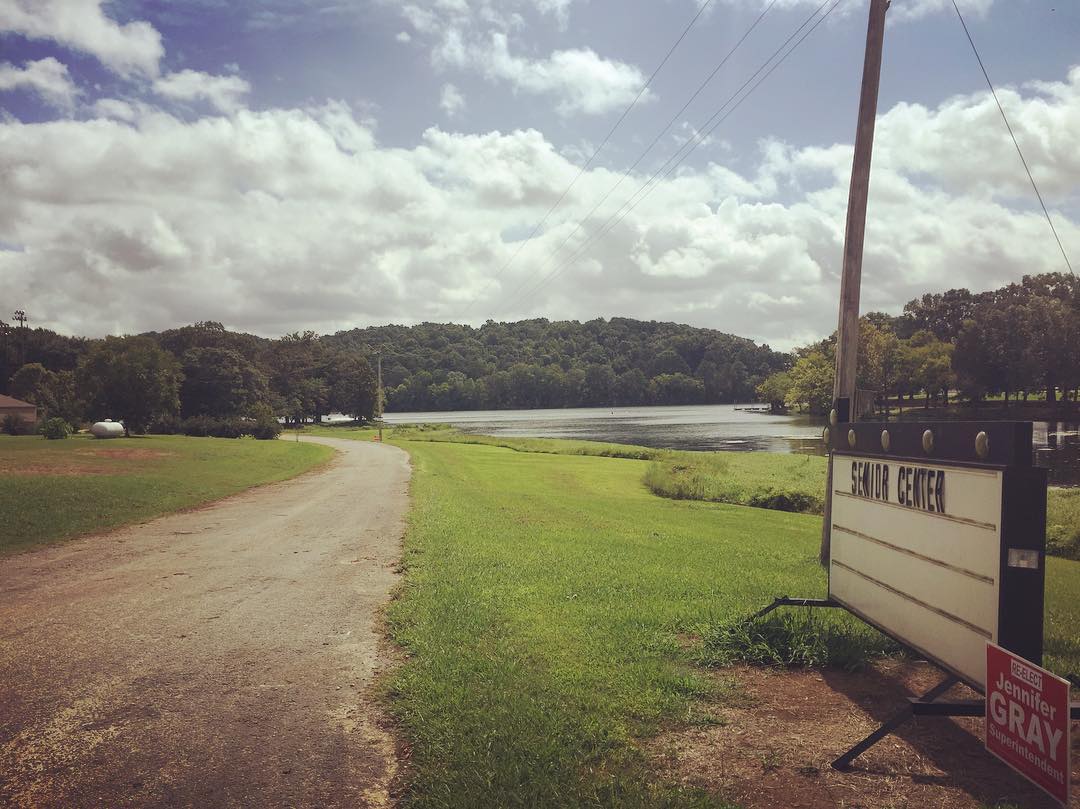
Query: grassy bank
[[555, 611], [783, 482], [54, 490], [759, 479]]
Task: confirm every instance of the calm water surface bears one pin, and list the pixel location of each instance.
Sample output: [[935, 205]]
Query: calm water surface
[[700, 427], [708, 427]]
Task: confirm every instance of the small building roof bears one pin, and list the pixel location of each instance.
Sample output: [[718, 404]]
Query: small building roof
[[11, 401]]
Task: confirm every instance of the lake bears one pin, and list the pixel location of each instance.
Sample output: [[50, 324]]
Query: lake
[[708, 427]]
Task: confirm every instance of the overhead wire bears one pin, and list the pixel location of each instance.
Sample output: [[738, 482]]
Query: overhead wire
[[675, 160], [1012, 135], [671, 121], [596, 151]]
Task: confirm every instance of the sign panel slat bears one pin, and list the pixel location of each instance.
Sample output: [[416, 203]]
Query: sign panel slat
[[967, 546], [960, 595], [925, 630]]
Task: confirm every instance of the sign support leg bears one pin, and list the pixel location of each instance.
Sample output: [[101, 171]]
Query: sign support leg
[[915, 707], [786, 601]]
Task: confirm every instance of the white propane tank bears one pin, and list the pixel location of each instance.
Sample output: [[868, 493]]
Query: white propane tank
[[107, 429]]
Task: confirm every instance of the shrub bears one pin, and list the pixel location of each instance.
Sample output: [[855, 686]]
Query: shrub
[[13, 425], [198, 426], [55, 428], [264, 428], [227, 428], [167, 425], [798, 502]]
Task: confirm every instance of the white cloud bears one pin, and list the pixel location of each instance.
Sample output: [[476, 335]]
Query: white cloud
[[579, 80], [900, 9], [403, 37], [47, 78], [129, 49], [914, 9], [225, 93], [475, 35], [451, 101], [278, 220]]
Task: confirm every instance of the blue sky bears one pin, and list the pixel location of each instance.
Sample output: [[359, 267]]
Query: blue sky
[[325, 164]]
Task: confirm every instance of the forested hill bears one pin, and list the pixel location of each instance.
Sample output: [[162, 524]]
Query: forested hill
[[539, 363]]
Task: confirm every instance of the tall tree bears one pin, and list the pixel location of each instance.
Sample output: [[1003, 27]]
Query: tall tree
[[130, 379], [220, 382]]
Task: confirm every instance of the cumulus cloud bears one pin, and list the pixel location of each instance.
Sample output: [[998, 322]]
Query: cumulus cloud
[[900, 9], [225, 93], [404, 37], [475, 35], [131, 49], [284, 219], [48, 78], [579, 79], [451, 101]]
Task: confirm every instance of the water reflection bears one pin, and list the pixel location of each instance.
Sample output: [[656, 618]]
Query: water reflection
[[710, 427]]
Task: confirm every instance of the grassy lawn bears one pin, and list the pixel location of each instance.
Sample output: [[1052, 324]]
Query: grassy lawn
[[54, 490], [547, 609], [553, 610], [1063, 522]]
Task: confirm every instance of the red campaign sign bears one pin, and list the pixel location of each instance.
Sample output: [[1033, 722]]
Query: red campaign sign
[[1027, 720]]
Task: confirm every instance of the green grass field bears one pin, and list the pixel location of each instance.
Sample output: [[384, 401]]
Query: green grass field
[[1063, 522], [554, 609], [54, 490]]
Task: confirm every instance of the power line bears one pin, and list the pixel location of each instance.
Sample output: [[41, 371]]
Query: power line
[[653, 143], [678, 157], [1012, 135], [592, 157]]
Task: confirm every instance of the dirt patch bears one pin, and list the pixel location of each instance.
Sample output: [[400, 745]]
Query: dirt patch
[[60, 469], [126, 454], [774, 747]]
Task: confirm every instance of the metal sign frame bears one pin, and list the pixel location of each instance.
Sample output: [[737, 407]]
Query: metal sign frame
[[1003, 448], [1000, 447]]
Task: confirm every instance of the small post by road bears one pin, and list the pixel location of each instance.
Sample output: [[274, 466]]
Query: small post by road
[[379, 395], [847, 335]]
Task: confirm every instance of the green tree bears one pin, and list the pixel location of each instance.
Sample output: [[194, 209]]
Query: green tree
[[631, 387], [220, 382], [812, 382], [879, 360], [672, 389], [36, 384], [130, 379], [774, 389], [354, 388], [297, 379], [930, 363]]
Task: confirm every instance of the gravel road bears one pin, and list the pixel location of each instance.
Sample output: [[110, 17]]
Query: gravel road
[[219, 657]]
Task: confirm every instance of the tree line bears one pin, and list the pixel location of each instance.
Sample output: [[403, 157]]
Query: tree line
[[541, 363], [164, 380], [1019, 340], [201, 379]]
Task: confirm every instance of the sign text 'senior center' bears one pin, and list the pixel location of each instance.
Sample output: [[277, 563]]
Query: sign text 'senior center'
[[916, 487]]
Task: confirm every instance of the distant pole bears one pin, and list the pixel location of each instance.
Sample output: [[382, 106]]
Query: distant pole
[[847, 335], [379, 395], [20, 316]]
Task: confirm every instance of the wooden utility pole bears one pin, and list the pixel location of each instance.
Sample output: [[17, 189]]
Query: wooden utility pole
[[847, 335]]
